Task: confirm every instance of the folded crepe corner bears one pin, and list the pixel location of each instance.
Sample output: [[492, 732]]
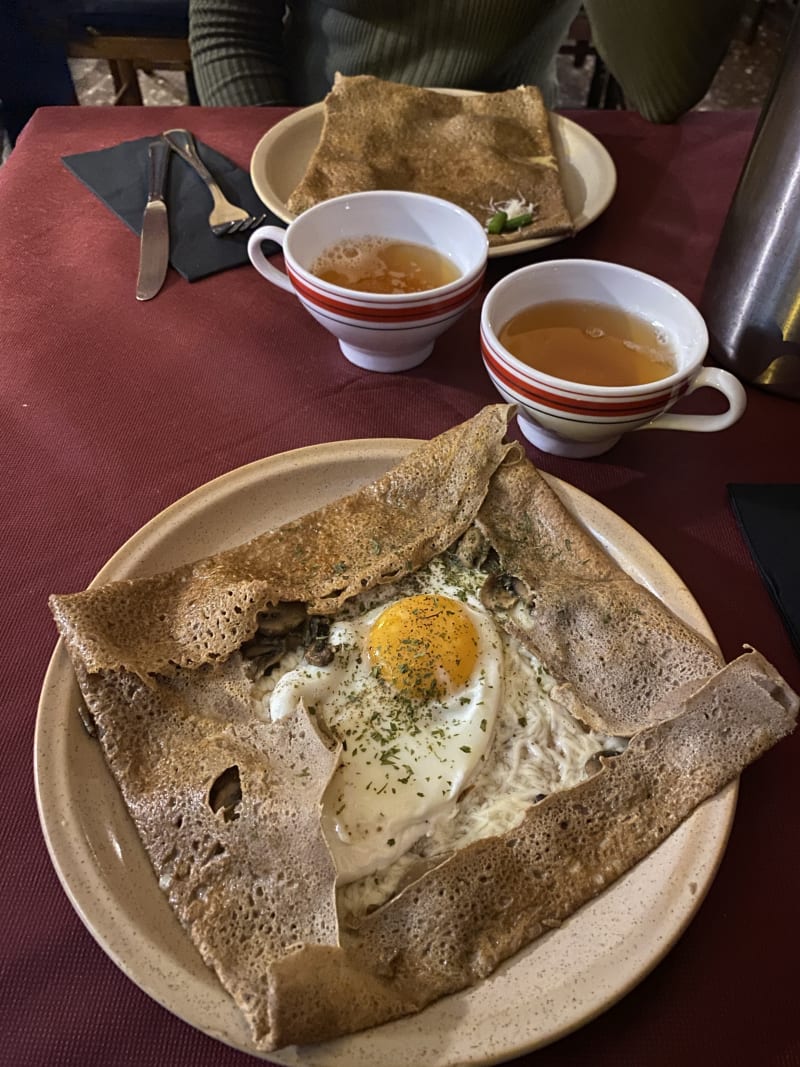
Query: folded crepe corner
[[228, 805], [574, 844], [202, 612]]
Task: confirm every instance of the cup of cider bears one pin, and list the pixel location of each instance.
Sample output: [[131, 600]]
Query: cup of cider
[[591, 350], [385, 271]]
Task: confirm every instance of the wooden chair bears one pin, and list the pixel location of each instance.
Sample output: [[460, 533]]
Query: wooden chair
[[604, 90], [132, 35]]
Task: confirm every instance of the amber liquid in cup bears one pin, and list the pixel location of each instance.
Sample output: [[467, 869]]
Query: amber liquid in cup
[[382, 265], [590, 344]]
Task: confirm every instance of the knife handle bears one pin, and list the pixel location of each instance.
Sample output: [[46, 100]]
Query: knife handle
[[157, 161]]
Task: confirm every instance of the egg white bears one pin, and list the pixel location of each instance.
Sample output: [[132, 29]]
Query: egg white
[[404, 761], [533, 747]]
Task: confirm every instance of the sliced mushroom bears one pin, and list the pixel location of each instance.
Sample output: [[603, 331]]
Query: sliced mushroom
[[87, 719], [279, 629], [593, 765], [472, 548], [319, 653], [264, 653], [264, 646], [281, 618], [491, 565], [225, 794], [502, 592]]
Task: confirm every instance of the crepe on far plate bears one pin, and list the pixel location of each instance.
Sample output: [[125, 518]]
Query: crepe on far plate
[[233, 806], [481, 151]]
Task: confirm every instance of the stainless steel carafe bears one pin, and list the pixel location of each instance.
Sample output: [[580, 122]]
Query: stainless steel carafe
[[751, 301]]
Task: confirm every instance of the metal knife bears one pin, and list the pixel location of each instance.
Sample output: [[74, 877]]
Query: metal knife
[[154, 247]]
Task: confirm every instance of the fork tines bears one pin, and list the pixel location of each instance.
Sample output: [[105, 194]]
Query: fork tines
[[223, 229]]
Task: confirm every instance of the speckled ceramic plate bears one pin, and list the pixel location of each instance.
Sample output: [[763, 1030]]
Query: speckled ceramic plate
[[554, 986], [589, 177]]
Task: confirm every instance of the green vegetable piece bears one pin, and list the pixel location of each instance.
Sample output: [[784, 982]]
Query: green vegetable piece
[[497, 222], [518, 222]]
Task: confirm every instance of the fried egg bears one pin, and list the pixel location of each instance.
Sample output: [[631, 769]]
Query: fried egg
[[450, 728], [412, 694]]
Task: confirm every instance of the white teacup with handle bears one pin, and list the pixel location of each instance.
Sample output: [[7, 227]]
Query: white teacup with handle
[[570, 418], [379, 331]]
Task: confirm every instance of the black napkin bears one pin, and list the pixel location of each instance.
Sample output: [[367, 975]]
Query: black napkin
[[769, 518], [118, 176]]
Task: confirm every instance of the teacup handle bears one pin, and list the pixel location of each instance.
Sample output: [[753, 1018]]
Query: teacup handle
[[260, 261], [715, 378]]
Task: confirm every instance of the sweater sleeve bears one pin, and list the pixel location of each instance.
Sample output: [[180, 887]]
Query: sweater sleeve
[[237, 51], [663, 53]]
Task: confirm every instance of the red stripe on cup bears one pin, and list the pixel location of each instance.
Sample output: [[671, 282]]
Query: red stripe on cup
[[653, 402], [384, 312]]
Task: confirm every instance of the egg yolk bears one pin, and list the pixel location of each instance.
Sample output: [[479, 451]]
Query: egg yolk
[[424, 646]]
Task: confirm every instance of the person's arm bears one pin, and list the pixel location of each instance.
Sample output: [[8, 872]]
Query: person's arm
[[663, 53], [237, 51]]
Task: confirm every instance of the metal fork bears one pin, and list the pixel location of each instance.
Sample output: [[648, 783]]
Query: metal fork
[[225, 217]]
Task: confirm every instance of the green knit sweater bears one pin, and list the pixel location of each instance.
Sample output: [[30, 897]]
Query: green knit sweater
[[664, 53]]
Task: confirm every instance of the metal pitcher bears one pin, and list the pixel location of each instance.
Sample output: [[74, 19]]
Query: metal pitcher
[[751, 301]]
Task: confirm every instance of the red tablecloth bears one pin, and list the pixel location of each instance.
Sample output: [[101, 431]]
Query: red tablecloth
[[111, 410]]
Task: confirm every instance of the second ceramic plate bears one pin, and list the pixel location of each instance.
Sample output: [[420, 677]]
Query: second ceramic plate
[[280, 159]]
